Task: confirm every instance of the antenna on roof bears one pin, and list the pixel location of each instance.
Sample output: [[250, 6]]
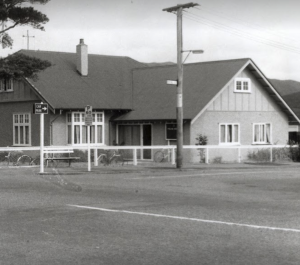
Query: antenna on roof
[[27, 36]]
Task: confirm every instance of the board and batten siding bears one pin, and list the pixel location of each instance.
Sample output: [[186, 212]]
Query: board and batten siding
[[244, 109], [21, 92]]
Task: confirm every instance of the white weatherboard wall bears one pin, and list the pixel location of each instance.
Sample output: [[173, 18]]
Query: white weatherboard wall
[[244, 109]]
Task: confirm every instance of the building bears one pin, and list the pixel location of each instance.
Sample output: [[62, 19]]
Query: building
[[231, 102]]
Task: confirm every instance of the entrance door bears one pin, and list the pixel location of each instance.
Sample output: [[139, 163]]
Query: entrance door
[[147, 140]]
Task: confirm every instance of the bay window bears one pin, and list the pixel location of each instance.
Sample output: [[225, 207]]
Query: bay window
[[77, 131]]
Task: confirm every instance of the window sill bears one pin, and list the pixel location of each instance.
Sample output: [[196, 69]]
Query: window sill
[[262, 144], [230, 144], [243, 92]]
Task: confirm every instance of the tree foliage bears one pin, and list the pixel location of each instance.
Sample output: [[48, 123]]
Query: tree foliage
[[19, 65], [19, 13], [13, 13]]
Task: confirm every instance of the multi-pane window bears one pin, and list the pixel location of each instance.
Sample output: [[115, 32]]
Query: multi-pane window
[[229, 133], [21, 129], [242, 85], [6, 85], [261, 133], [78, 131]]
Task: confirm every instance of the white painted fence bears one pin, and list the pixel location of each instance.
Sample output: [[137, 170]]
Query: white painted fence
[[135, 149]]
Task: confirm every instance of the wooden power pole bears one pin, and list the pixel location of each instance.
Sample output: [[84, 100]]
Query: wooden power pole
[[179, 110]]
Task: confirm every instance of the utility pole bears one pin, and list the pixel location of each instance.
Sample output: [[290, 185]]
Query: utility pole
[[27, 36], [179, 110]]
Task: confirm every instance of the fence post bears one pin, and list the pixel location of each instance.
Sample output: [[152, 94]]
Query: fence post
[[206, 156], [134, 157], [173, 156], [95, 157], [239, 155], [271, 154]]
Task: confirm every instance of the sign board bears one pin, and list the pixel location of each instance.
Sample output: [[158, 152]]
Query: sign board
[[40, 108], [171, 131], [88, 117], [172, 82]]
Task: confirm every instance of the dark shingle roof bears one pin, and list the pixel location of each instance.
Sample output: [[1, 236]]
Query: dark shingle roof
[[290, 92], [107, 86], [155, 100]]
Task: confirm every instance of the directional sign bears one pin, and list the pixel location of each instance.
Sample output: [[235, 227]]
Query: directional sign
[[40, 108], [172, 82], [88, 117]]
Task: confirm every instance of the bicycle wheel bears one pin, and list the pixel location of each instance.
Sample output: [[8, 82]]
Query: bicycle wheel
[[102, 160], [24, 160], [117, 160], [159, 156], [36, 161]]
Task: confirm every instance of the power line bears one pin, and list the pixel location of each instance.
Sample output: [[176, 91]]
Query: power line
[[245, 22], [240, 33]]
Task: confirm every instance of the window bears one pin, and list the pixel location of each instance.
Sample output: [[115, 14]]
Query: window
[[262, 133], [229, 133], [77, 132], [6, 85], [242, 85], [22, 129]]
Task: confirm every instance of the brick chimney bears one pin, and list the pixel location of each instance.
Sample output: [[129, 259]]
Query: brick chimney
[[82, 58]]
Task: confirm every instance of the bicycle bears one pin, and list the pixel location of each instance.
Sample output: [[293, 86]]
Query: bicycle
[[13, 158], [107, 159], [162, 155]]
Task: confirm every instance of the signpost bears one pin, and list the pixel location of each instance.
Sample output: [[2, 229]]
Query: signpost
[[41, 109], [88, 119]]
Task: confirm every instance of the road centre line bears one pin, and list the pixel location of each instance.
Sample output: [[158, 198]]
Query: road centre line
[[208, 174], [189, 219]]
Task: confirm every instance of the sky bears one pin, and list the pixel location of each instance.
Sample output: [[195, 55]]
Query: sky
[[267, 31]]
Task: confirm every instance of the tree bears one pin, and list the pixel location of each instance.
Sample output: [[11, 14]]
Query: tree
[[19, 65], [13, 13]]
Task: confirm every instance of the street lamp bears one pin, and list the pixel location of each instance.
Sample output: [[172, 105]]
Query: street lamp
[[192, 51], [179, 108]]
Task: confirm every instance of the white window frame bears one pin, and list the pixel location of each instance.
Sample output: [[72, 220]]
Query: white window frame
[[77, 119], [264, 126], [226, 134], [4, 88], [21, 121], [243, 81]]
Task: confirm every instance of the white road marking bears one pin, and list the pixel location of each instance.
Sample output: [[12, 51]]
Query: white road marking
[[208, 174], [189, 219]]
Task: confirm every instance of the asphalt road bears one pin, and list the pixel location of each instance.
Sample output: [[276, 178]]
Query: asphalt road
[[222, 216]]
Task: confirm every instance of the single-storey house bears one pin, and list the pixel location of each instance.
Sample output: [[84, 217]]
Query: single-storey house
[[231, 102]]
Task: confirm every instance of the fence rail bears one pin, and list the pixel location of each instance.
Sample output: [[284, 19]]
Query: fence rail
[[171, 148]]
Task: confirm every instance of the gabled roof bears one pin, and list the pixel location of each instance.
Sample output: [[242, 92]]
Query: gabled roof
[[290, 91], [202, 83], [107, 86], [155, 100]]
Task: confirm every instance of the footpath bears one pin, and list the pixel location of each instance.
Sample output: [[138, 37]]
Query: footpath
[[82, 168]]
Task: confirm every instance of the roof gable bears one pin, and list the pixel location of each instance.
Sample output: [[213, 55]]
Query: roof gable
[[155, 100]]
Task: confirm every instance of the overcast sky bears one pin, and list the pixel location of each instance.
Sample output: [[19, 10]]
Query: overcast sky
[[267, 31]]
